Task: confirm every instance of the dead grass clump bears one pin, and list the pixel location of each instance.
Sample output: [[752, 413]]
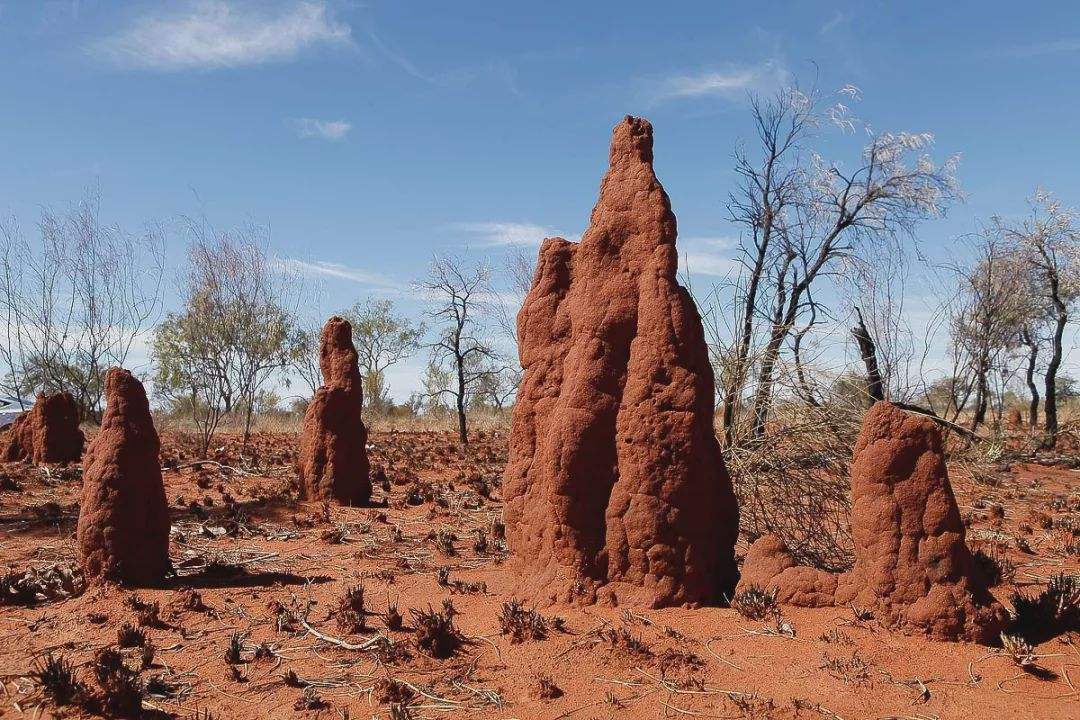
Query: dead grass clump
[[310, 700], [147, 614], [435, 631], [350, 613], [442, 577], [853, 670], [130, 636], [235, 649], [56, 677], [994, 565], [444, 541], [623, 639], [754, 603], [1019, 649], [794, 482], [389, 691], [544, 688], [520, 623], [122, 690], [33, 586], [1054, 611]]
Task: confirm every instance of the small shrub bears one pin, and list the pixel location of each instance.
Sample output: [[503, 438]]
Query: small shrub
[[1053, 611], [130, 636], [235, 649], [435, 632], [754, 603], [521, 624], [350, 613], [56, 676]]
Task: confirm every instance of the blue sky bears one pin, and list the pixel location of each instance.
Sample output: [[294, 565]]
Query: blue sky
[[369, 135]]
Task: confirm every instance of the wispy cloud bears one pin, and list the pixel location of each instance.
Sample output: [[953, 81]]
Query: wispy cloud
[[1050, 47], [320, 129], [207, 34], [335, 270], [708, 256], [727, 82], [838, 19], [509, 233]]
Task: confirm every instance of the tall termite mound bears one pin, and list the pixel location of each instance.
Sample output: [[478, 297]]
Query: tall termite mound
[[123, 532], [47, 433], [615, 487], [912, 566], [332, 462]]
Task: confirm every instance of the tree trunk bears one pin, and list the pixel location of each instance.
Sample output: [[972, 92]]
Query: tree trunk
[[1033, 406], [1050, 402], [868, 350], [463, 434], [765, 380], [734, 388]]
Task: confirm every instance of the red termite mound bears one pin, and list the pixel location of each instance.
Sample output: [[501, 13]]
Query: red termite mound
[[332, 462], [47, 433], [912, 566], [615, 486], [123, 532]]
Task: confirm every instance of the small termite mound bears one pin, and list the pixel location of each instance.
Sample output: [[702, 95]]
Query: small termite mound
[[47, 433], [123, 531], [912, 568], [332, 462]]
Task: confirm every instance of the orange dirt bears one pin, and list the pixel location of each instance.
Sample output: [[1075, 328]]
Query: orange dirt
[[602, 662]]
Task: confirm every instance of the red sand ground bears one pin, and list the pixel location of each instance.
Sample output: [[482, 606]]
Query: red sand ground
[[608, 663]]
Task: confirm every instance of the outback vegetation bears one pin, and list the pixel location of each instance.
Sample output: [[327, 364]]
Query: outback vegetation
[[627, 495]]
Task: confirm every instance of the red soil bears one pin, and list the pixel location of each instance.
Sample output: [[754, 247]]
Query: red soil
[[332, 462], [608, 663], [47, 433], [615, 487]]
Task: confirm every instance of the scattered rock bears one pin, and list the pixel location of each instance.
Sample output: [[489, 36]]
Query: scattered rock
[[912, 566], [123, 531], [332, 461], [47, 433], [615, 487]]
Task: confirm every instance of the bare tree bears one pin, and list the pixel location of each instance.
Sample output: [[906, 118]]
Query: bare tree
[[76, 300], [457, 290], [1048, 240], [769, 184], [839, 214]]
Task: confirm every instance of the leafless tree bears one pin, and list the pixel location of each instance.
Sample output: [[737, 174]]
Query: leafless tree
[[75, 300], [770, 179], [839, 214], [461, 347]]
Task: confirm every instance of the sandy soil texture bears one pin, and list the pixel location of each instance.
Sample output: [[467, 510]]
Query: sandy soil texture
[[259, 620]]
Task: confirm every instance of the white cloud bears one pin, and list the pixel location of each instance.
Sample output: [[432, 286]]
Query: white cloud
[[207, 34], [334, 270], [731, 81], [709, 256], [321, 129], [510, 233]]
